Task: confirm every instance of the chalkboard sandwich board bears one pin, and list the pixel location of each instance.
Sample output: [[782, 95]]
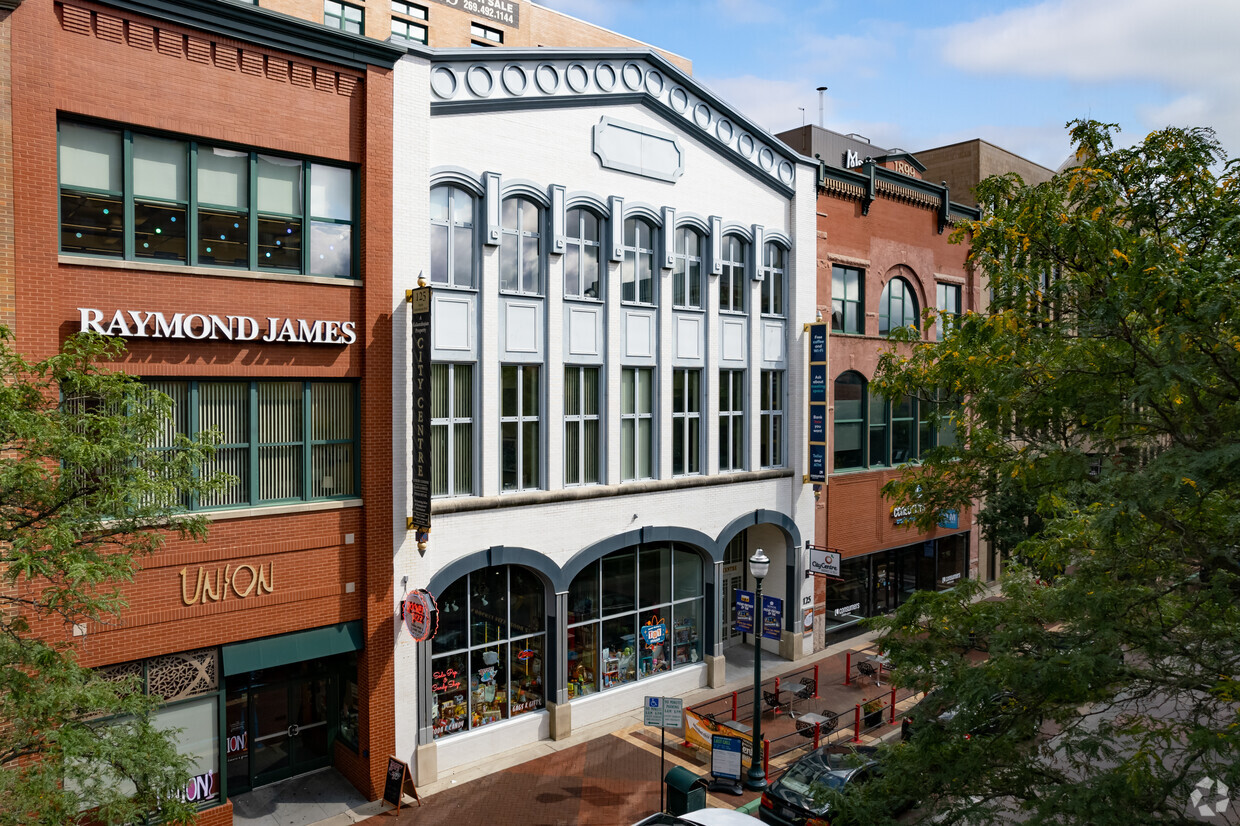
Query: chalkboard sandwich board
[[394, 784]]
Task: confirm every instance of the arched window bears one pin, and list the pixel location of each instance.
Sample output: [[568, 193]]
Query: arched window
[[487, 658], [732, 281], [687, 269], [452, 237], [637, 270], [773, 268], [520, 249], [850, 402], [632, 614], [897, 307], [583, 257]]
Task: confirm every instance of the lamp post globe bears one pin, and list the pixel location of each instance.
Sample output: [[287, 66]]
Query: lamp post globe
[[755, 780]]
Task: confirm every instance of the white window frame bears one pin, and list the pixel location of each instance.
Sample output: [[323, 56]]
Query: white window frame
[[629, 269], [774, 297], [732, 279], [772, 423], [453, 420], [683, 418], [731, 415], [682, 268], [343, 16], [521, 238], [943, 290], [453, 227], [520, 420], [581, 247], [628, 375], [577, 421]]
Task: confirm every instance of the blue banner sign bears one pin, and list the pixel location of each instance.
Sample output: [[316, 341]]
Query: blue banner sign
[[818, 342], [743, 621], [817, 463], [772, 617], [818, 383]]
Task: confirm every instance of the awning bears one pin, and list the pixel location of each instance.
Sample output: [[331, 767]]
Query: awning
[[315, 643]]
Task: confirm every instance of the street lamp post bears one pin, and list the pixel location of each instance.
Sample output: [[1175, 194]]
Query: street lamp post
[[759, 565]]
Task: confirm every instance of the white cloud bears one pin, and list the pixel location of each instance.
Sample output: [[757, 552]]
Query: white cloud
[[1186, 49], [772, 104]]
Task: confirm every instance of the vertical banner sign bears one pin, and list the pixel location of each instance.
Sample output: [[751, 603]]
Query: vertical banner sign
[[818, 402], [420, 309], [772, 617], [744, 612]]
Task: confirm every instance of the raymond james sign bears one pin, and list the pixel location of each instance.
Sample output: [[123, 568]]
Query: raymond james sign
[[507, 12], [212, 327]]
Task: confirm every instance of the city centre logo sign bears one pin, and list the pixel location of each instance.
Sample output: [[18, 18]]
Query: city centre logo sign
[[1210, 796], [212, 327]]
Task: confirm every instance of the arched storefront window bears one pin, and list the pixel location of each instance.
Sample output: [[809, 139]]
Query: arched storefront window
[[897, 307], [487, 658], [632, 614]]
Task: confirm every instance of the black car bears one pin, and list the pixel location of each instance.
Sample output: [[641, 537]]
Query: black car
[[790, 800]]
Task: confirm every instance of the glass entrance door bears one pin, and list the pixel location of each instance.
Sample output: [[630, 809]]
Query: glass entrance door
[[281, 723]]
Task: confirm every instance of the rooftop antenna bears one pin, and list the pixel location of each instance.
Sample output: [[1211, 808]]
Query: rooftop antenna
[[802, 108], [821, 112]]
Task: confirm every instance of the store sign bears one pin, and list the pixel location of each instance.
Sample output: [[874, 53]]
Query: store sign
[[949, 519], [201, 787], [507, 12], [238, 581], [420, 613], [847, 609], [212, 327], [772, 617], [654, 632], [950, 578], [818, 402], [420, 310], [823, 561], [744, 612]]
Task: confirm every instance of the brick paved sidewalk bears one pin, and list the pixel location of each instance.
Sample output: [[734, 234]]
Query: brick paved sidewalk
[[615, 779]]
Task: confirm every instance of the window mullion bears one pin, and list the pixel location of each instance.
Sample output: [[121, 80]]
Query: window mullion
[[254, 494], [252, 251], [307, 443], [191, 208], [127, 184], [191, 398], [306, 218]]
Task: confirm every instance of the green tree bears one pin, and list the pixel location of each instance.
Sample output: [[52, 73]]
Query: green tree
[[1101, 432], [91, 480]]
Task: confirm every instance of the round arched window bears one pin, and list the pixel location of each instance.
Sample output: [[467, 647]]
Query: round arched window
[[487, 658], [897, 307]]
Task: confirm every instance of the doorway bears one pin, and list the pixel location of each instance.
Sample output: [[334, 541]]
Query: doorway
[[733, 576], [282, 722]]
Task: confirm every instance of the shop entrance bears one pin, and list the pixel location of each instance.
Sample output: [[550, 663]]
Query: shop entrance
[[282, 721], [733, 581]]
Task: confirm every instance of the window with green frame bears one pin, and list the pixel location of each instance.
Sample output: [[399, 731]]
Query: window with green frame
[[140, 197], [279, 441]]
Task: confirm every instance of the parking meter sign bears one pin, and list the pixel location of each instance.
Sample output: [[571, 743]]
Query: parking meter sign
[[673, 712]]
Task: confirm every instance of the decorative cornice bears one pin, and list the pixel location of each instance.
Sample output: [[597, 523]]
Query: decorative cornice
[[263, 27], [845, 183], [478, 80]]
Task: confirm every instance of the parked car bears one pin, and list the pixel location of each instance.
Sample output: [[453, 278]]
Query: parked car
[[702, 817], [998, 714], [794, 799]]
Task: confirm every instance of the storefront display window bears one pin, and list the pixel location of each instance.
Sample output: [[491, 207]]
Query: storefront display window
[[488, 658], [347, 732], [651, 617], [198, 739]]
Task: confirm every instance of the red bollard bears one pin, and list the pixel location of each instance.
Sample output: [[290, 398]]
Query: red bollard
[[766, 758], [857, 725], [848, 668], [817, 732], [893, 705], [734, 706], [776, 695]]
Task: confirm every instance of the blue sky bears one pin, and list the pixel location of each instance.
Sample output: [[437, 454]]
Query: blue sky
[[915, 74]]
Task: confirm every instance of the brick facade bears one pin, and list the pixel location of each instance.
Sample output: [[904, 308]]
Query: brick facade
[[96, 63]]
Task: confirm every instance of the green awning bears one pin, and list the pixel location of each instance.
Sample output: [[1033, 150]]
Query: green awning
[[315, 643]]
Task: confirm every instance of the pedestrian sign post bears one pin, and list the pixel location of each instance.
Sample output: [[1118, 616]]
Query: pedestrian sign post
[[664, 712]]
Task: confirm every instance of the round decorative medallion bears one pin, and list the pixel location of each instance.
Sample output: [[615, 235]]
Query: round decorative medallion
[[547, 78], [631, 74], [577, 77], [701, 115], [443, 82], [679, 99], [605, 76], [514, 79], [479, 80], [745, 145]]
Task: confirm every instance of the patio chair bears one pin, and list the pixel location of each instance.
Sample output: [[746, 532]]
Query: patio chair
[[867, 669]]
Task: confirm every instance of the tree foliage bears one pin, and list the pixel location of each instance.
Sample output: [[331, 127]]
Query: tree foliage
[[1101, 433], [91, 479]]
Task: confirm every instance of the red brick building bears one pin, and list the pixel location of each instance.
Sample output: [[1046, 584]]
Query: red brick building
[[884, 255], [213, 182]]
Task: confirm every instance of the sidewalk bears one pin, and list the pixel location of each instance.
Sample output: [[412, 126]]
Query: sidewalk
[[610, 774]]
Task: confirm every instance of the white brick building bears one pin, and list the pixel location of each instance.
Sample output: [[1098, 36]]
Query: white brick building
[[622, 266]]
